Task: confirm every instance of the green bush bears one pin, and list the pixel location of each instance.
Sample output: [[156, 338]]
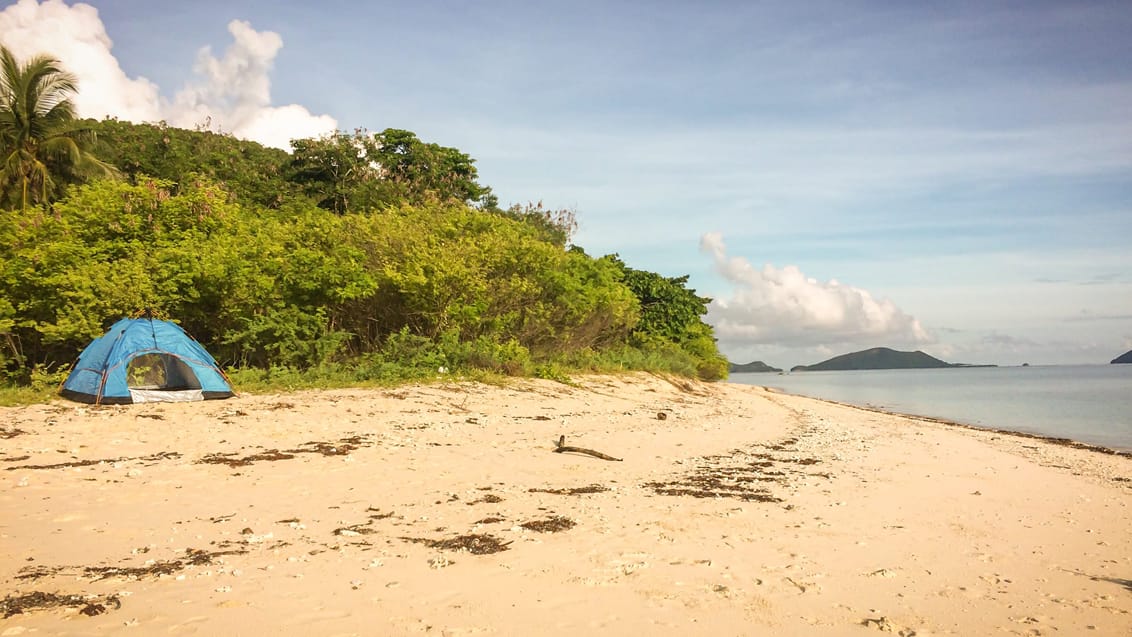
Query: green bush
[[291, 295]]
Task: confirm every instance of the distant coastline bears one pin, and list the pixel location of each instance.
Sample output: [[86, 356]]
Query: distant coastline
[[753, 367], [880, 358]]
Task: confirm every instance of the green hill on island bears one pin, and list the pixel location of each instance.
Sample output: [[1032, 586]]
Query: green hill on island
[[878, 358], [1126, 357], [353, 258], [750, 368]]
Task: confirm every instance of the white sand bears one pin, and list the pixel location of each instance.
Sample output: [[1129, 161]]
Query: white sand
[[842, 521]]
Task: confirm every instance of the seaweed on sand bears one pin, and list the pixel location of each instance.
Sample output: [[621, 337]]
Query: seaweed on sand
[[552, 524], [341, 448], [593, 488], [193, 557], [38, 600], [474, 543]]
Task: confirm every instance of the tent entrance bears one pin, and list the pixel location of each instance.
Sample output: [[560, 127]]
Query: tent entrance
[[161, 377]]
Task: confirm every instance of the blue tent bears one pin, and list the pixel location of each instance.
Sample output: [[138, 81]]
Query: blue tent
[[145, 360]]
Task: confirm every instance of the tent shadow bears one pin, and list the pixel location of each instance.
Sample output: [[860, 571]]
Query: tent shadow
[[1126, 584]]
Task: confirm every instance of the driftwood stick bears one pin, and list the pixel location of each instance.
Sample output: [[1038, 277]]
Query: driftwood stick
[[561, 447]]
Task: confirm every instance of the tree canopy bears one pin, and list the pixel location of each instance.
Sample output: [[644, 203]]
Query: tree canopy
[[251, 173], [379, 255], [346, 172]]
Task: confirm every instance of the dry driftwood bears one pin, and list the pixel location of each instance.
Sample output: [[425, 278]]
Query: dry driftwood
[[561, 447]]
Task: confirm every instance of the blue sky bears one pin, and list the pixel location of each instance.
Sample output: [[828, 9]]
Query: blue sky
[[836, 175]]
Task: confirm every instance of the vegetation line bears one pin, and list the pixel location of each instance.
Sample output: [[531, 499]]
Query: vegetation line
[[356, 258]]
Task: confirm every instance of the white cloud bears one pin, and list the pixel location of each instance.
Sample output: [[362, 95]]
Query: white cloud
[[784, 307], [75, 36], [231, 93]]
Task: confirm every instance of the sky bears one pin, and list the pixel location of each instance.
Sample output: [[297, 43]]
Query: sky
[[948, 177]]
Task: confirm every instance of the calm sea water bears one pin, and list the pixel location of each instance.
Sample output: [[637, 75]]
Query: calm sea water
[[1088, 403]]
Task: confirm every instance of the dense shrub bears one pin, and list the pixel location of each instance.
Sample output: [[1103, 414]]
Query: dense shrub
[[268, 280]]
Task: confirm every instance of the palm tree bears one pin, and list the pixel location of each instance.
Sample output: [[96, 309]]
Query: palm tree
[[41, 142]]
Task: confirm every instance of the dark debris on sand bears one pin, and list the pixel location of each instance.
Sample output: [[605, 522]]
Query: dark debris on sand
[[89, 605], [490, 498], [156, 457], [193, 557], [356, 529], [739, 475], [474, 543], [593, 488], [341, 448], [552, 524], [232, 461]]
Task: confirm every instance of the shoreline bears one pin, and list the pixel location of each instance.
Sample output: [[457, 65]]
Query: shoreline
[[444, 509], [1055, 440]]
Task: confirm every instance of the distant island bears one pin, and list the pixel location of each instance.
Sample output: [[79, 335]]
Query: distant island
[[880, 358], [752, 367], [1126, 357]]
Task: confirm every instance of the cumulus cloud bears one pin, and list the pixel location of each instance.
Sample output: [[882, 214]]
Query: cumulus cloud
[[78, 40], [231, 93], [234, 93], [784, 307]]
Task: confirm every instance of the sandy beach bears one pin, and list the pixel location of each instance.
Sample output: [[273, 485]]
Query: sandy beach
[[444, 510]]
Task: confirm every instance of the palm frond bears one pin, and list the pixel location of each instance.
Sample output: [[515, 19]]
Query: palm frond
[[42, 146]]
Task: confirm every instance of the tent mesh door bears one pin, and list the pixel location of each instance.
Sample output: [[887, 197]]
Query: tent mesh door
[[160, 371]]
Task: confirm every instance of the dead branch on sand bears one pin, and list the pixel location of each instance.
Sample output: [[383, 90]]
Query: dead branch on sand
[[560, 447]]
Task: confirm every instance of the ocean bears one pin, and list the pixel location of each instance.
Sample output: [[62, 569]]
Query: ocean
[[1086, 403]]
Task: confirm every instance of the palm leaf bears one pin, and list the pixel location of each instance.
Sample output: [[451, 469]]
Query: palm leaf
[[39, 137]]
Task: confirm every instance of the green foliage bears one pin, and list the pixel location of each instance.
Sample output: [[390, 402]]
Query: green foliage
[[414, 354], [508, 358], [670, 315], [299, 286], [452, 269], [253, 252], [553, 371], [44, 379], [334, 171], [256, 285], [10, 353], [357, 172], [556, 226], [42, 148], [250, 172], [39, 384], [420, 170]]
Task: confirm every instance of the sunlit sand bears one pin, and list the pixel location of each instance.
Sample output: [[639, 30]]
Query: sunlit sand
[[444, 510]]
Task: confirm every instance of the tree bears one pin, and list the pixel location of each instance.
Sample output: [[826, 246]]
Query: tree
[[421, 167], [556, 226], [42, 146], [334, 170], [355, 172], [671, 313], [252, 173]]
